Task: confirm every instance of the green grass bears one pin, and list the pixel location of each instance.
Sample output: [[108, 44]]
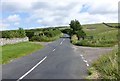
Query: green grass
[[103, 36], [10, 52], [107, 65]]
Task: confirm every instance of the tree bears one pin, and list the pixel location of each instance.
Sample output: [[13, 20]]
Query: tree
[[76, 28], [81, 34], [75, 25], [21, 32]]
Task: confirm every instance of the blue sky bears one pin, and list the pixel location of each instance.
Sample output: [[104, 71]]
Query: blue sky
[[44, 13]]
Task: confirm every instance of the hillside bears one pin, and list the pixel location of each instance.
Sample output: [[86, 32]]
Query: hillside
[[100, 35]]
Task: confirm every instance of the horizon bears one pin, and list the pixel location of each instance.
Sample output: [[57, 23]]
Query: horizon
[[45, 13]]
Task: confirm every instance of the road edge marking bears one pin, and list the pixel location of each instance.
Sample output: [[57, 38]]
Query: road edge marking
[[32, 69]]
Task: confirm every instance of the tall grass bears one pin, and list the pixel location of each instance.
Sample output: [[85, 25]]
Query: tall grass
[[107, 65], [103, 36]]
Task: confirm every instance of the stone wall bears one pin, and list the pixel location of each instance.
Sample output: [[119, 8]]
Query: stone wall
[[4, 41]]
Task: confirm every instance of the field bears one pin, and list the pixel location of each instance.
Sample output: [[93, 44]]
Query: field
[[99, 35], [10, 52], [106, 67]]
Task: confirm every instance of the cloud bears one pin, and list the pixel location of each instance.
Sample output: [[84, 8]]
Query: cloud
[[16, 23], [13, 18], [54, 12], [3, 26]]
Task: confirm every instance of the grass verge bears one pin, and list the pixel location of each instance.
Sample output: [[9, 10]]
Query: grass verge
[[106, 67], [99, 35], [12, 51]]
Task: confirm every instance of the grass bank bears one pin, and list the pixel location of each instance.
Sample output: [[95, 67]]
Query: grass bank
[[12, 51], [99, 35], [106, 67]]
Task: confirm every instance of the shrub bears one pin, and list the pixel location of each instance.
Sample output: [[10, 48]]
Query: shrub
[[29, 34], [14, 33], [35, 38], [107, 65], [74, 39]]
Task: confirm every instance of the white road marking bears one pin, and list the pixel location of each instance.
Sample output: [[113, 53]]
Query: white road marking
[[87, 64], [62, 41], [32, 68], [85, 60], [81, 55], [54, 49]]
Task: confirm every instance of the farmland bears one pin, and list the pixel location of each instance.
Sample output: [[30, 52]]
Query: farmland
[[102, 35]]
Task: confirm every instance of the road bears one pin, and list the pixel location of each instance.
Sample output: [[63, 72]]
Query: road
[[58, 60]]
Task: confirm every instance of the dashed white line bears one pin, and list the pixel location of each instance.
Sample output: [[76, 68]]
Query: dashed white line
[[81, 55], [87, 64], [84, 60], [54, 49], [62, 42], [32, 68]]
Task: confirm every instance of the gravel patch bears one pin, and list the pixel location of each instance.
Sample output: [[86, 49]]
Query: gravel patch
[[91, 53]]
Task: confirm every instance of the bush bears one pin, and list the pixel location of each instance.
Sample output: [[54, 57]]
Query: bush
[[14, 33], [29, 34], [35, 38], [47, 35], [107, 65], [74, 39]]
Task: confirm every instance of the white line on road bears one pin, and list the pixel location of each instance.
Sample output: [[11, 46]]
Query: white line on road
[[87, 64], [62, 42], [81, 55], [85, 60], [32, 68], [54, 49]]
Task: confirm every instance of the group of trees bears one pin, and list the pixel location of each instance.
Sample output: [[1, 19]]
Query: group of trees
[[76, 29], [46, 34], [20, 33]]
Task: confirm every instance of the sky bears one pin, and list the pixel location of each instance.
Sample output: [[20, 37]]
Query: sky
[[29, 14]]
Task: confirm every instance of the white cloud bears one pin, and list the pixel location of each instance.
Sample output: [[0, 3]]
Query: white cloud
[[16, 23], [55, 12], [13, 18], [3, 26]]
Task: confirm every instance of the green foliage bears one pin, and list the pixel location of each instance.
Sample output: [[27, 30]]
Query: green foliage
[[75, 25], [76, 28], [14, 33], [29, 34], [74, 39], [47, 34], [13, 51], [80, 34], [21, 32], [101, 36], [107, 65]]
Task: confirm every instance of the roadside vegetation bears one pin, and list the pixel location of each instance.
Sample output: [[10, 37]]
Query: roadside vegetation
[[13, 51], [44, 35], [20, 33], [106, 67], [99, 35]]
